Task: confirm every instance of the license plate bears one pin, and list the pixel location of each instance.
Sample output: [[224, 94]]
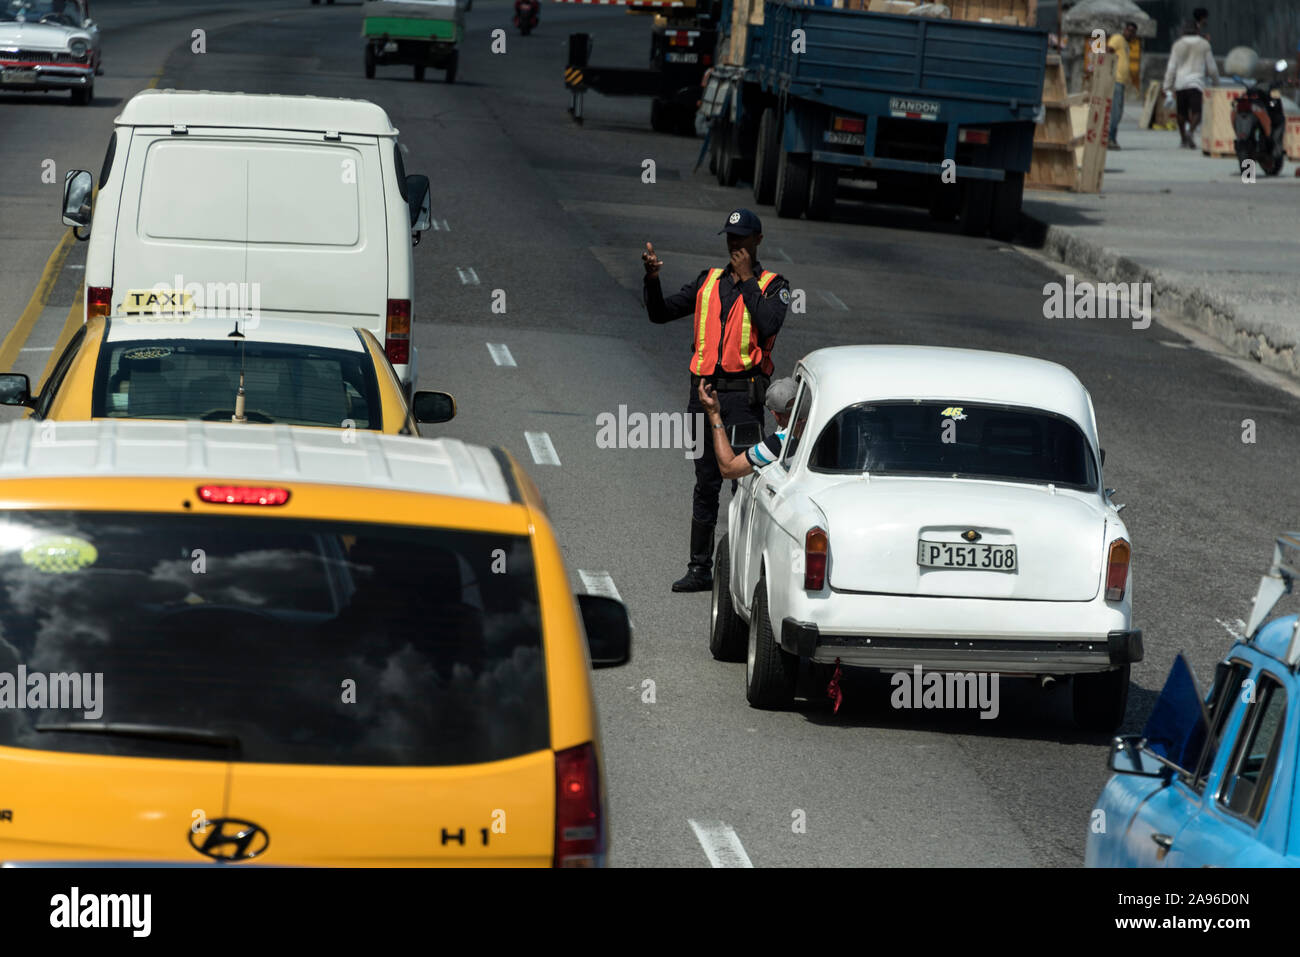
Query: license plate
[[18, 76], [913, 109], [390, 46], [845, 139], [992, 558], [681, 58], [157, 302]]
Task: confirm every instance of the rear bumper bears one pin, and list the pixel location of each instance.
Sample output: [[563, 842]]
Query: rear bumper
[[1027, 655], [905, 166]]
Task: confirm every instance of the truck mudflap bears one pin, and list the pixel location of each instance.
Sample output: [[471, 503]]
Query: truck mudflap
[[906, 166]]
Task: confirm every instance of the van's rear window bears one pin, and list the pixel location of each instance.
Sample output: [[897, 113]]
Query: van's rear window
[[281, 640], [199, 378]]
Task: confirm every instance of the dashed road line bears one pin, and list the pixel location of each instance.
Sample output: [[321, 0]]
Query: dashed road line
[[468, 276], [501, 354], [599, 583], [784, 255], [36, 304], [721, 845], [834, 300], [539, 443]]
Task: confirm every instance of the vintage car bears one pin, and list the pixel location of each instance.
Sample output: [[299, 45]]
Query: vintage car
[[931, 507], [1211, 780], [49, 45]]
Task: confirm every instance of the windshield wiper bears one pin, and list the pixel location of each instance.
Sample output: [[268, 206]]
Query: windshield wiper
[[153, 732]]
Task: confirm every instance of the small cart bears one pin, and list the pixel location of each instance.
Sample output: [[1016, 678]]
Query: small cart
[[417, 33]]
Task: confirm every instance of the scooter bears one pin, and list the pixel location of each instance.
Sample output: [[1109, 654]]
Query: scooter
[[526, 12], [1260, 125]]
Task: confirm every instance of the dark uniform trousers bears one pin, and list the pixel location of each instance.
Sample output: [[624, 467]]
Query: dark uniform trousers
[[737, 409]]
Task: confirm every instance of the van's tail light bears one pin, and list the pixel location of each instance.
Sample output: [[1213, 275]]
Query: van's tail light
[[1117, 569], [99, 301], [397, 334], [815, 546], [579, 818], [973, 136], [243, 495]]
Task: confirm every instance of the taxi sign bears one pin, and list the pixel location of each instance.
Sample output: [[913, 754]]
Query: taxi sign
[[158, 302]]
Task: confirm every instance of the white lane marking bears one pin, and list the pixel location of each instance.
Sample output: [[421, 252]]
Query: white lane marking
[[443, 228], [785, 255], [539, 443], [721, 845], [501, 354], [37, 349], [468, 276], [834, 300], [599, 583], [1237, 632]]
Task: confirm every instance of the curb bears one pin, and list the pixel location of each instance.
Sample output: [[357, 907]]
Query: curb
[[1195, 307]]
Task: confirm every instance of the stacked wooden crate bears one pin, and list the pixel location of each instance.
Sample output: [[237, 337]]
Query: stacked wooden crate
[[1055, 164], [1021, 12]]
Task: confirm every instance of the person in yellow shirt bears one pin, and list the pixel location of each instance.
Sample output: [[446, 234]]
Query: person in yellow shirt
[[1128, 71]]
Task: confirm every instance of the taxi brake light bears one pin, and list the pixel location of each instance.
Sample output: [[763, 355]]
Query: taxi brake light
[[579, 817], [98, 301], [397, 333], [1117, 569], [243, 495]]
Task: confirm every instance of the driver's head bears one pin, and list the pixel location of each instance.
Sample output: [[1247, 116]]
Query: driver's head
[[780, 399]]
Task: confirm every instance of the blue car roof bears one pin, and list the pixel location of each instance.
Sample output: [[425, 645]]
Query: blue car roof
[[1274, 638]]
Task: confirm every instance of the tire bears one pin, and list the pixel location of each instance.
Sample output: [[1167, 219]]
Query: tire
[[821, 193], [976, 207], [370, 62], [1004, 221], [945, 203], [715, 149], [729, 162], [727, 634], [525, 28], [83, 95], [793, 173], [449, 75], [766, 158], [1100, 699], [419, 73], [661, 118], [770, 672]]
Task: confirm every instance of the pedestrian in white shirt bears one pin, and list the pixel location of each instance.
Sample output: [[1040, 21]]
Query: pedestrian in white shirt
[[1191, 64]]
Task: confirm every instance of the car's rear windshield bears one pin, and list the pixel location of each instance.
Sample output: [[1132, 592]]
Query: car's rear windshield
[[289, 641], [963, 441], [199, 378]]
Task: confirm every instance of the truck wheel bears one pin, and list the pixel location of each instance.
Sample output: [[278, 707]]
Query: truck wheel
[[766, 157], [715, 149], [730, 159], [821, 195], [661, 120], [945, 202], [419, 73], [1007, 197], [450, 74], [770, 672], [976, 207], [726, 629], [370, 62], [793, 172], [1099, 700]]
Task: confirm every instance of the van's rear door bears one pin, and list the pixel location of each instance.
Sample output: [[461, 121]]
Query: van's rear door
[[284, 223]]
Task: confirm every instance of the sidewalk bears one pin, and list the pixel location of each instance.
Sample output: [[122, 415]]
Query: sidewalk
[[1220, 254]]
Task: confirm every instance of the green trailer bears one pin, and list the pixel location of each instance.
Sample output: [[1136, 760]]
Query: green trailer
[[421, 34]]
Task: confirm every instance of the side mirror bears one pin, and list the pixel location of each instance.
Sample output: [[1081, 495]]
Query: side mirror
[[433, 407], [609, 632], [77, 188], [418, 202], [15, 389], [1128, 755]]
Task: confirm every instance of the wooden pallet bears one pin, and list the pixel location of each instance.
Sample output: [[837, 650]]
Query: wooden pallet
[[1054, 165]]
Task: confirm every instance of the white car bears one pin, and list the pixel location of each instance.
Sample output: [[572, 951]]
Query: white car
[[935, 508], [49, 45]]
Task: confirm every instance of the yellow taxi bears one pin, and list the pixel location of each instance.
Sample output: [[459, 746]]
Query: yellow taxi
[[193, 366], [261, 645]]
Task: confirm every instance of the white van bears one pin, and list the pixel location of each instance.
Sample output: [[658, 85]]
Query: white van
[[283, 206]]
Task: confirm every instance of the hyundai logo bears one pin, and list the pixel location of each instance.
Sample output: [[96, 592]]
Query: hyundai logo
[[230, 839], [971, 535]]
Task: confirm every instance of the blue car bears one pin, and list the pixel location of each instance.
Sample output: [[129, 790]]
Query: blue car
[[1211, 781]]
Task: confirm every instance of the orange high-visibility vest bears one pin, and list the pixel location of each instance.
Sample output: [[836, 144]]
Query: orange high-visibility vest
[[740, 350]]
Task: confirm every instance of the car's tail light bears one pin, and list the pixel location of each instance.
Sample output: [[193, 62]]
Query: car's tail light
[[1117, 569], [815, 546], [973, 136], [848, 124], [579, 818], [397, 333], [243, 495], [99, 301]]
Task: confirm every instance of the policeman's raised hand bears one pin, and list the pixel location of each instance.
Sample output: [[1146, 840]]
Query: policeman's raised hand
[[652, 262], [741, 264], [708, 398]]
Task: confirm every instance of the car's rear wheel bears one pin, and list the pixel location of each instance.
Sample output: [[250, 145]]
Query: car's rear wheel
[[1100, 699], [83, 95], [726, 628], [370, 62], [450, 75], [770, 672], [419, 72]]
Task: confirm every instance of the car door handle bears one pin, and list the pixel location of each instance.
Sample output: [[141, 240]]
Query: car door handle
[[769, 490], [1164, 842]]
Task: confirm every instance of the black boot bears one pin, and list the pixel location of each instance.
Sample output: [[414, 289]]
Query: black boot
[[699, 573]]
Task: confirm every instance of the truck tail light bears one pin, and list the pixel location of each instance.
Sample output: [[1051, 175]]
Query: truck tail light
[[579, 818], [1117, 569], [815, 546], [99, 301], [397, 333], [973, 136], [849, 124]]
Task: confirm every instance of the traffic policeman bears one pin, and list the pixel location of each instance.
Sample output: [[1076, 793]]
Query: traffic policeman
[[738, 312]]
